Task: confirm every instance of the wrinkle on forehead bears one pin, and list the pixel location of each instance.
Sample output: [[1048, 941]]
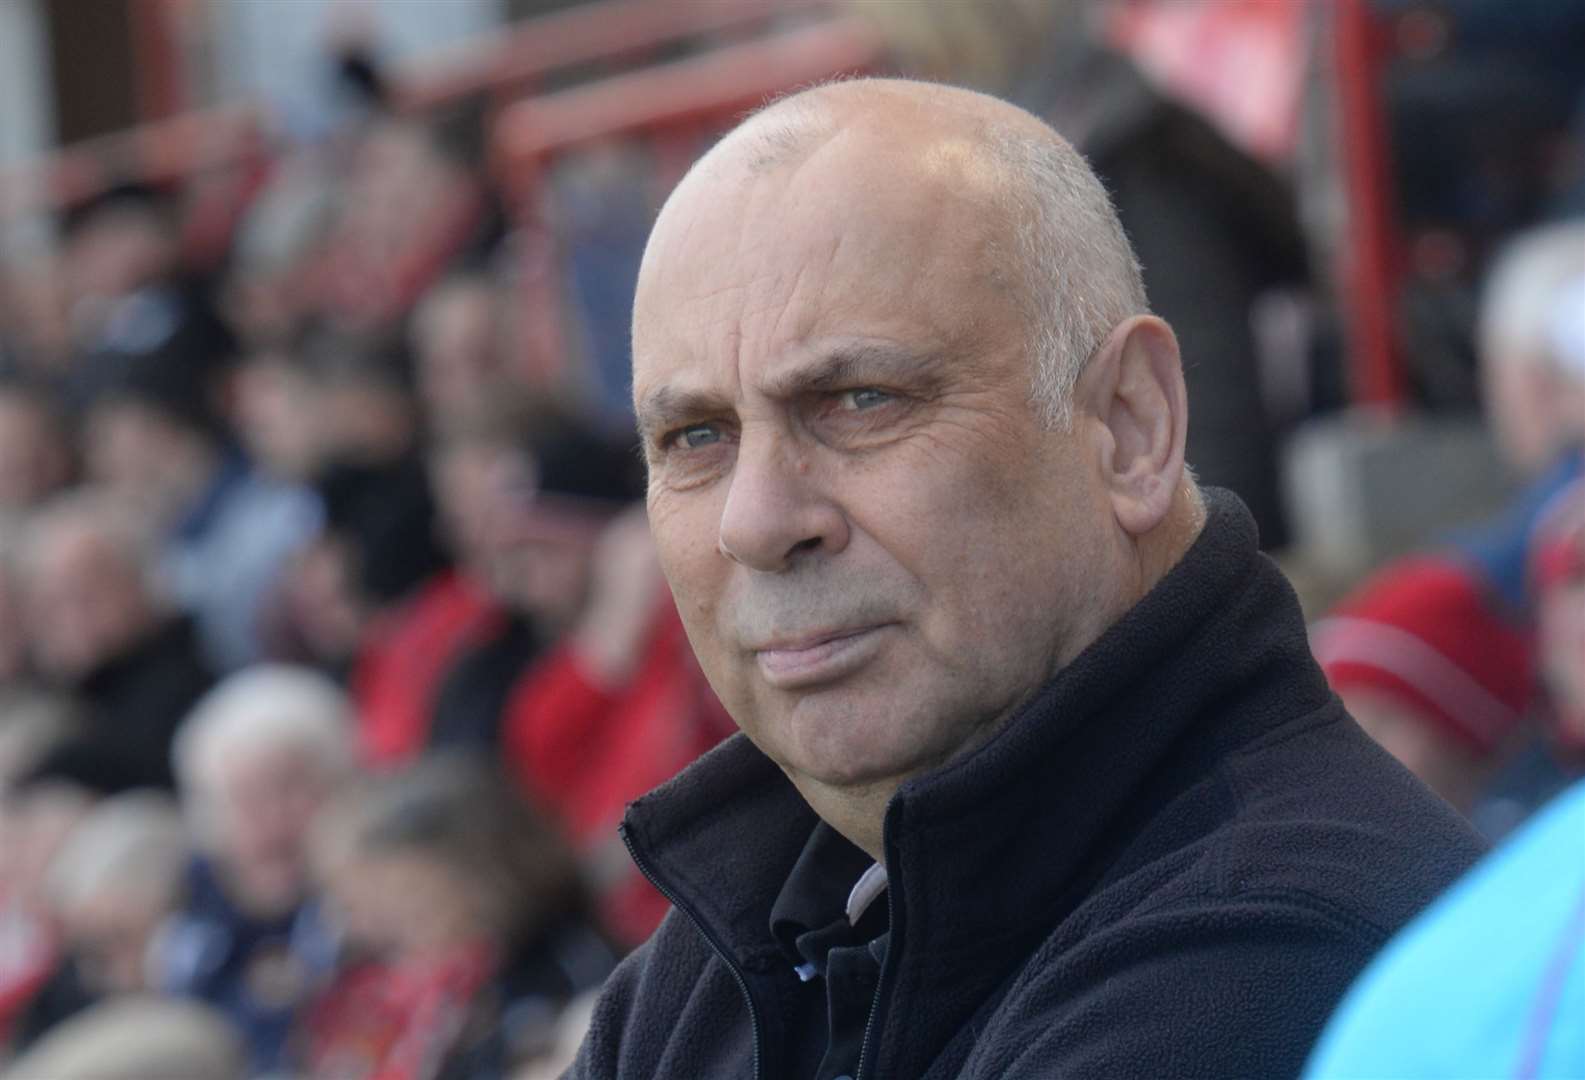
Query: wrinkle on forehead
[[747, 247]]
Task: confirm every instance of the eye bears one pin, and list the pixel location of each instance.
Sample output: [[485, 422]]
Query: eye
[[694, 436], [864, 398]]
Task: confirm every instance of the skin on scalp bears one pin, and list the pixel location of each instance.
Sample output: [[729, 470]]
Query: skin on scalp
[[832, 372]]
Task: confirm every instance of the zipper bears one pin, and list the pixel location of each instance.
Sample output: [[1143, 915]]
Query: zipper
[[710, 939], [880, 987]]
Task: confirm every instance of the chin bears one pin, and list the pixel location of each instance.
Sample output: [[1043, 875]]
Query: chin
[[850, 745]]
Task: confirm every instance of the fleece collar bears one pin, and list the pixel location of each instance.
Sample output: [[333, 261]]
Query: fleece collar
[[998, 846]]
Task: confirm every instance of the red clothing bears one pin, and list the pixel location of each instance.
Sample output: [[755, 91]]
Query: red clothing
[[407, 655], [395, 1022], [585, 751], [28, 957]]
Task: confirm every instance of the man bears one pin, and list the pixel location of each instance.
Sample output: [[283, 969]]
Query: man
[[1419, 661], [1039, 778], [100, 627], [154, 435], [113, 882], [35, 449], [256, 761]]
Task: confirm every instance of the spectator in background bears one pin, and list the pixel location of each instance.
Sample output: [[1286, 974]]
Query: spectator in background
[[35, 821], [114, 880], [155, 435], [118, 246], [459, 343], [532, 493], [32, 722], [437, 672], [379, 548], [467, 926], [139, 1038], [1532, 350], [280, 420], [1418, 661], [1558, 578], [617, 706], [412, 204], [35, 333], [269, 286], [1213, 229], [35, 447], [1470, 603], [257, 759], [100, 626], [14, 673]]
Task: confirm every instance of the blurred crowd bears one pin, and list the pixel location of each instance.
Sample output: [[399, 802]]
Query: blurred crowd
[[333, 644], [331, 647]]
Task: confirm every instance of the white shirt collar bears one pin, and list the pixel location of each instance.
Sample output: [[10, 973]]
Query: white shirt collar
[[870, 884]]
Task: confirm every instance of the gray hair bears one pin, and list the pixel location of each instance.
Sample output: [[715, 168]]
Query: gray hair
[[1534, 280], [134, 1038], [131, 843], [1077, 273], [267, 706]]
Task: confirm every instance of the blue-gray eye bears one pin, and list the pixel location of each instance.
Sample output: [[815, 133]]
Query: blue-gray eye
[[866, 398], [692, 438]]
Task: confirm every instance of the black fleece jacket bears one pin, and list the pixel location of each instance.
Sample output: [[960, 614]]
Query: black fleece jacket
[[1170, 863]]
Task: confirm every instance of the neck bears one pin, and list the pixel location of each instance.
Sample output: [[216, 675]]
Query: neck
[[858, 813]]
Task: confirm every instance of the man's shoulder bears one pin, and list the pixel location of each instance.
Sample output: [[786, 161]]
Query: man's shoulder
[[1324, 812], [673, 982], [1226, 927]]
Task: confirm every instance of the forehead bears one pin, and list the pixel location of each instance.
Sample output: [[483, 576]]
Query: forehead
[[860, 239]]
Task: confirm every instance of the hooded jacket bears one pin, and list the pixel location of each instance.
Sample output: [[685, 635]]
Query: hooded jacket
[[1171, 861]]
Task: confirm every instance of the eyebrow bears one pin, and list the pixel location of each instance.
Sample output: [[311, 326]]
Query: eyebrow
[[839, 365], [666, 406], [847, 363]]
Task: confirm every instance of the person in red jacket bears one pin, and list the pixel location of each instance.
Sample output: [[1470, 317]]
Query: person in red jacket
[[617, 707]]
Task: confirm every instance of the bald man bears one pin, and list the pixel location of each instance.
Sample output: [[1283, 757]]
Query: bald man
[[1036, 776]]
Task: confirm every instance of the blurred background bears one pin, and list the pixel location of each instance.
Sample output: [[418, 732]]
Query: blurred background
[[331, 640]]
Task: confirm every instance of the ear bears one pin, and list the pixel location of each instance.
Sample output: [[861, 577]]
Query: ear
[[1133, 390]]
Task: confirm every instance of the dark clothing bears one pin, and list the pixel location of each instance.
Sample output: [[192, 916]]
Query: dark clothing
[[1170, 862], [1213, 230], [133, 706], [62, 996], [458, 1014], [473, 696], [835, 952], [258, 972]]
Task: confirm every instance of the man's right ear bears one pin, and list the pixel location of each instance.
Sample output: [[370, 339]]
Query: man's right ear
[[1133, 389]]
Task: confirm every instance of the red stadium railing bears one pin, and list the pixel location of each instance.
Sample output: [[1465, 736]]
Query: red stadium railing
[[1373, 264], [498, 69], [670, 111], [160, 153], [519, 60]]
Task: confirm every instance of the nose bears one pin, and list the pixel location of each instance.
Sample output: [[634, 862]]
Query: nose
[[776, 510]]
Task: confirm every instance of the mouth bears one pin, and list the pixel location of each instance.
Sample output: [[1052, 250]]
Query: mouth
[[799, 663]]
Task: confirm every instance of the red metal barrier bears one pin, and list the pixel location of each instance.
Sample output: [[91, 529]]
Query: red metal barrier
[[505, 65], [516, 61], [1373, 265], [710, 89], [669, 110], [161, 153]]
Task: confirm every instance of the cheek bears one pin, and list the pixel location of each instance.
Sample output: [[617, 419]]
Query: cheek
[[686, 530]]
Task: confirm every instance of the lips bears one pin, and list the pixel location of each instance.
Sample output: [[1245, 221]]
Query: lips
[[799, 663]]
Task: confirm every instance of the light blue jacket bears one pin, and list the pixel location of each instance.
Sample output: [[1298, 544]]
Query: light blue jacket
[[1489, 982]]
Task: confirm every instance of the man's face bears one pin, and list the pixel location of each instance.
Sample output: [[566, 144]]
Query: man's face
[[33, 460], [264, 803], [84, 603], [876, 549]]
